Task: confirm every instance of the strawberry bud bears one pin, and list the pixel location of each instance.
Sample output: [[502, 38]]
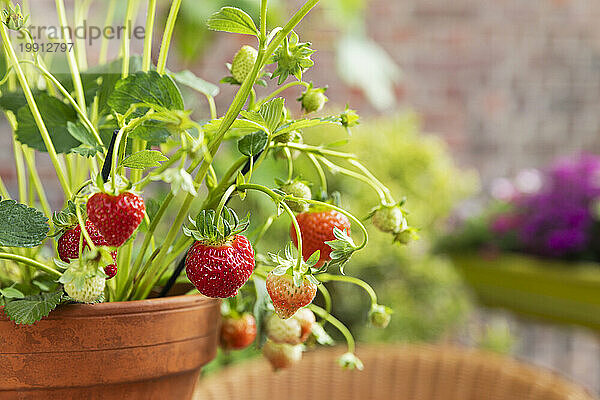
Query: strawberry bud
[[380, 316], [313, 100]]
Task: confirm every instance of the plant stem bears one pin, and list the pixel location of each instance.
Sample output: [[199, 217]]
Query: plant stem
[[20, 166], [320, 172], [166, 40], [326, 297], [3, 192], [147, 55], [279, 90], [337, 324], [37, 183], [81, 12], [350, 279], [126, 38], [31, 263], [110, 13], [35, 111], [62, 17], [336, 168]]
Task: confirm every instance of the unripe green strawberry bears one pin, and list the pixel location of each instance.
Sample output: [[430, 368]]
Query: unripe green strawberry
[[405, 236], [389, 219], [380, 316], [88, 292], [283, 330], [313, 100], [243, 61], [298, 189]]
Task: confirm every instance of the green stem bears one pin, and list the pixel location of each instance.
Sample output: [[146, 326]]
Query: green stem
[[263, 20], [31, 263], [368, 173], [20, 166], [316, 150], [350, 279], [337, 324], [279, 90], [320, 172], [79, 93], [212, 107], [166, 40], [81, 12], [3, 191], [147, 55], [37, 183], [35, 111], [110, 13], [290, 163], [334, 168], [326, 297], [126, 38]]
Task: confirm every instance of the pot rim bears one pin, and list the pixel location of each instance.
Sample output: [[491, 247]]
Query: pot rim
[[146, 306]]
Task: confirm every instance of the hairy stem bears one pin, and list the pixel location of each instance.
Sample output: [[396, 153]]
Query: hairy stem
[[31, 263]]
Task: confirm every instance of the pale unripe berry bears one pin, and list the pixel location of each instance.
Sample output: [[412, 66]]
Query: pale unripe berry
[[90, 292], [243, 61]]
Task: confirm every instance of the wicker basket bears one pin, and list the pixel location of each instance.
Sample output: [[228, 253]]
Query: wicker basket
[[392, 373]]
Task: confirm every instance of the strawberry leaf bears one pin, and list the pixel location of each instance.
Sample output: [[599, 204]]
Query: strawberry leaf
[[189, 79], [144, 159], [33, 308], [253, 143], [21, 226], [272, 113], [233, 20], [56, 115]]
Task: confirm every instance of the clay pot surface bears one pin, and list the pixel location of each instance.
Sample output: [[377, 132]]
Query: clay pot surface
[[147, 349]]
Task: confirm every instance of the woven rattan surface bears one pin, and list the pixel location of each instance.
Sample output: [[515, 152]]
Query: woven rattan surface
[[392, 373]]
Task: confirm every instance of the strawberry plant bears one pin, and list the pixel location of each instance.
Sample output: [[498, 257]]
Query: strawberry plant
[[114, 130]]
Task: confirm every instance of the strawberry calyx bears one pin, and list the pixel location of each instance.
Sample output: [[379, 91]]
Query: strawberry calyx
[[212, 229], [287, 264], [66, 218], [292, 58]]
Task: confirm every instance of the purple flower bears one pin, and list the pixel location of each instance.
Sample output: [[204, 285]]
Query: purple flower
[[557, 221]]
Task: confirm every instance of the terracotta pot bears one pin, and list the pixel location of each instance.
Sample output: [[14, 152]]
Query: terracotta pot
[[148, 349]]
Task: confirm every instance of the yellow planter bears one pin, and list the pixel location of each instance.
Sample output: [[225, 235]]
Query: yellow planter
[[555, 290]]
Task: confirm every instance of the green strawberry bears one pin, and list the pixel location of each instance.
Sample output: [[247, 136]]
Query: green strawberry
[[313, 100], [389, 219], [380, 316], [300, 189], [243, 61], [87, 291]]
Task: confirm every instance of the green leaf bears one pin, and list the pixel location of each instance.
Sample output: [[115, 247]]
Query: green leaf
[[272, 113], [234, 20], [144, 159], [253, 143], [33, 308], [12, 101], [148, 88], [56, 115], [81, 133], [11, 293], [21, 226], [152, 131], [108, 75], [189, 79]]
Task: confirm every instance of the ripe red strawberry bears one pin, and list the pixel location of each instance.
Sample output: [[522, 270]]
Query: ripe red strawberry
[[68, 245], [237, 333], [288, 298], [282, 355], [316, 229], [116, 217], [219, 270]]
